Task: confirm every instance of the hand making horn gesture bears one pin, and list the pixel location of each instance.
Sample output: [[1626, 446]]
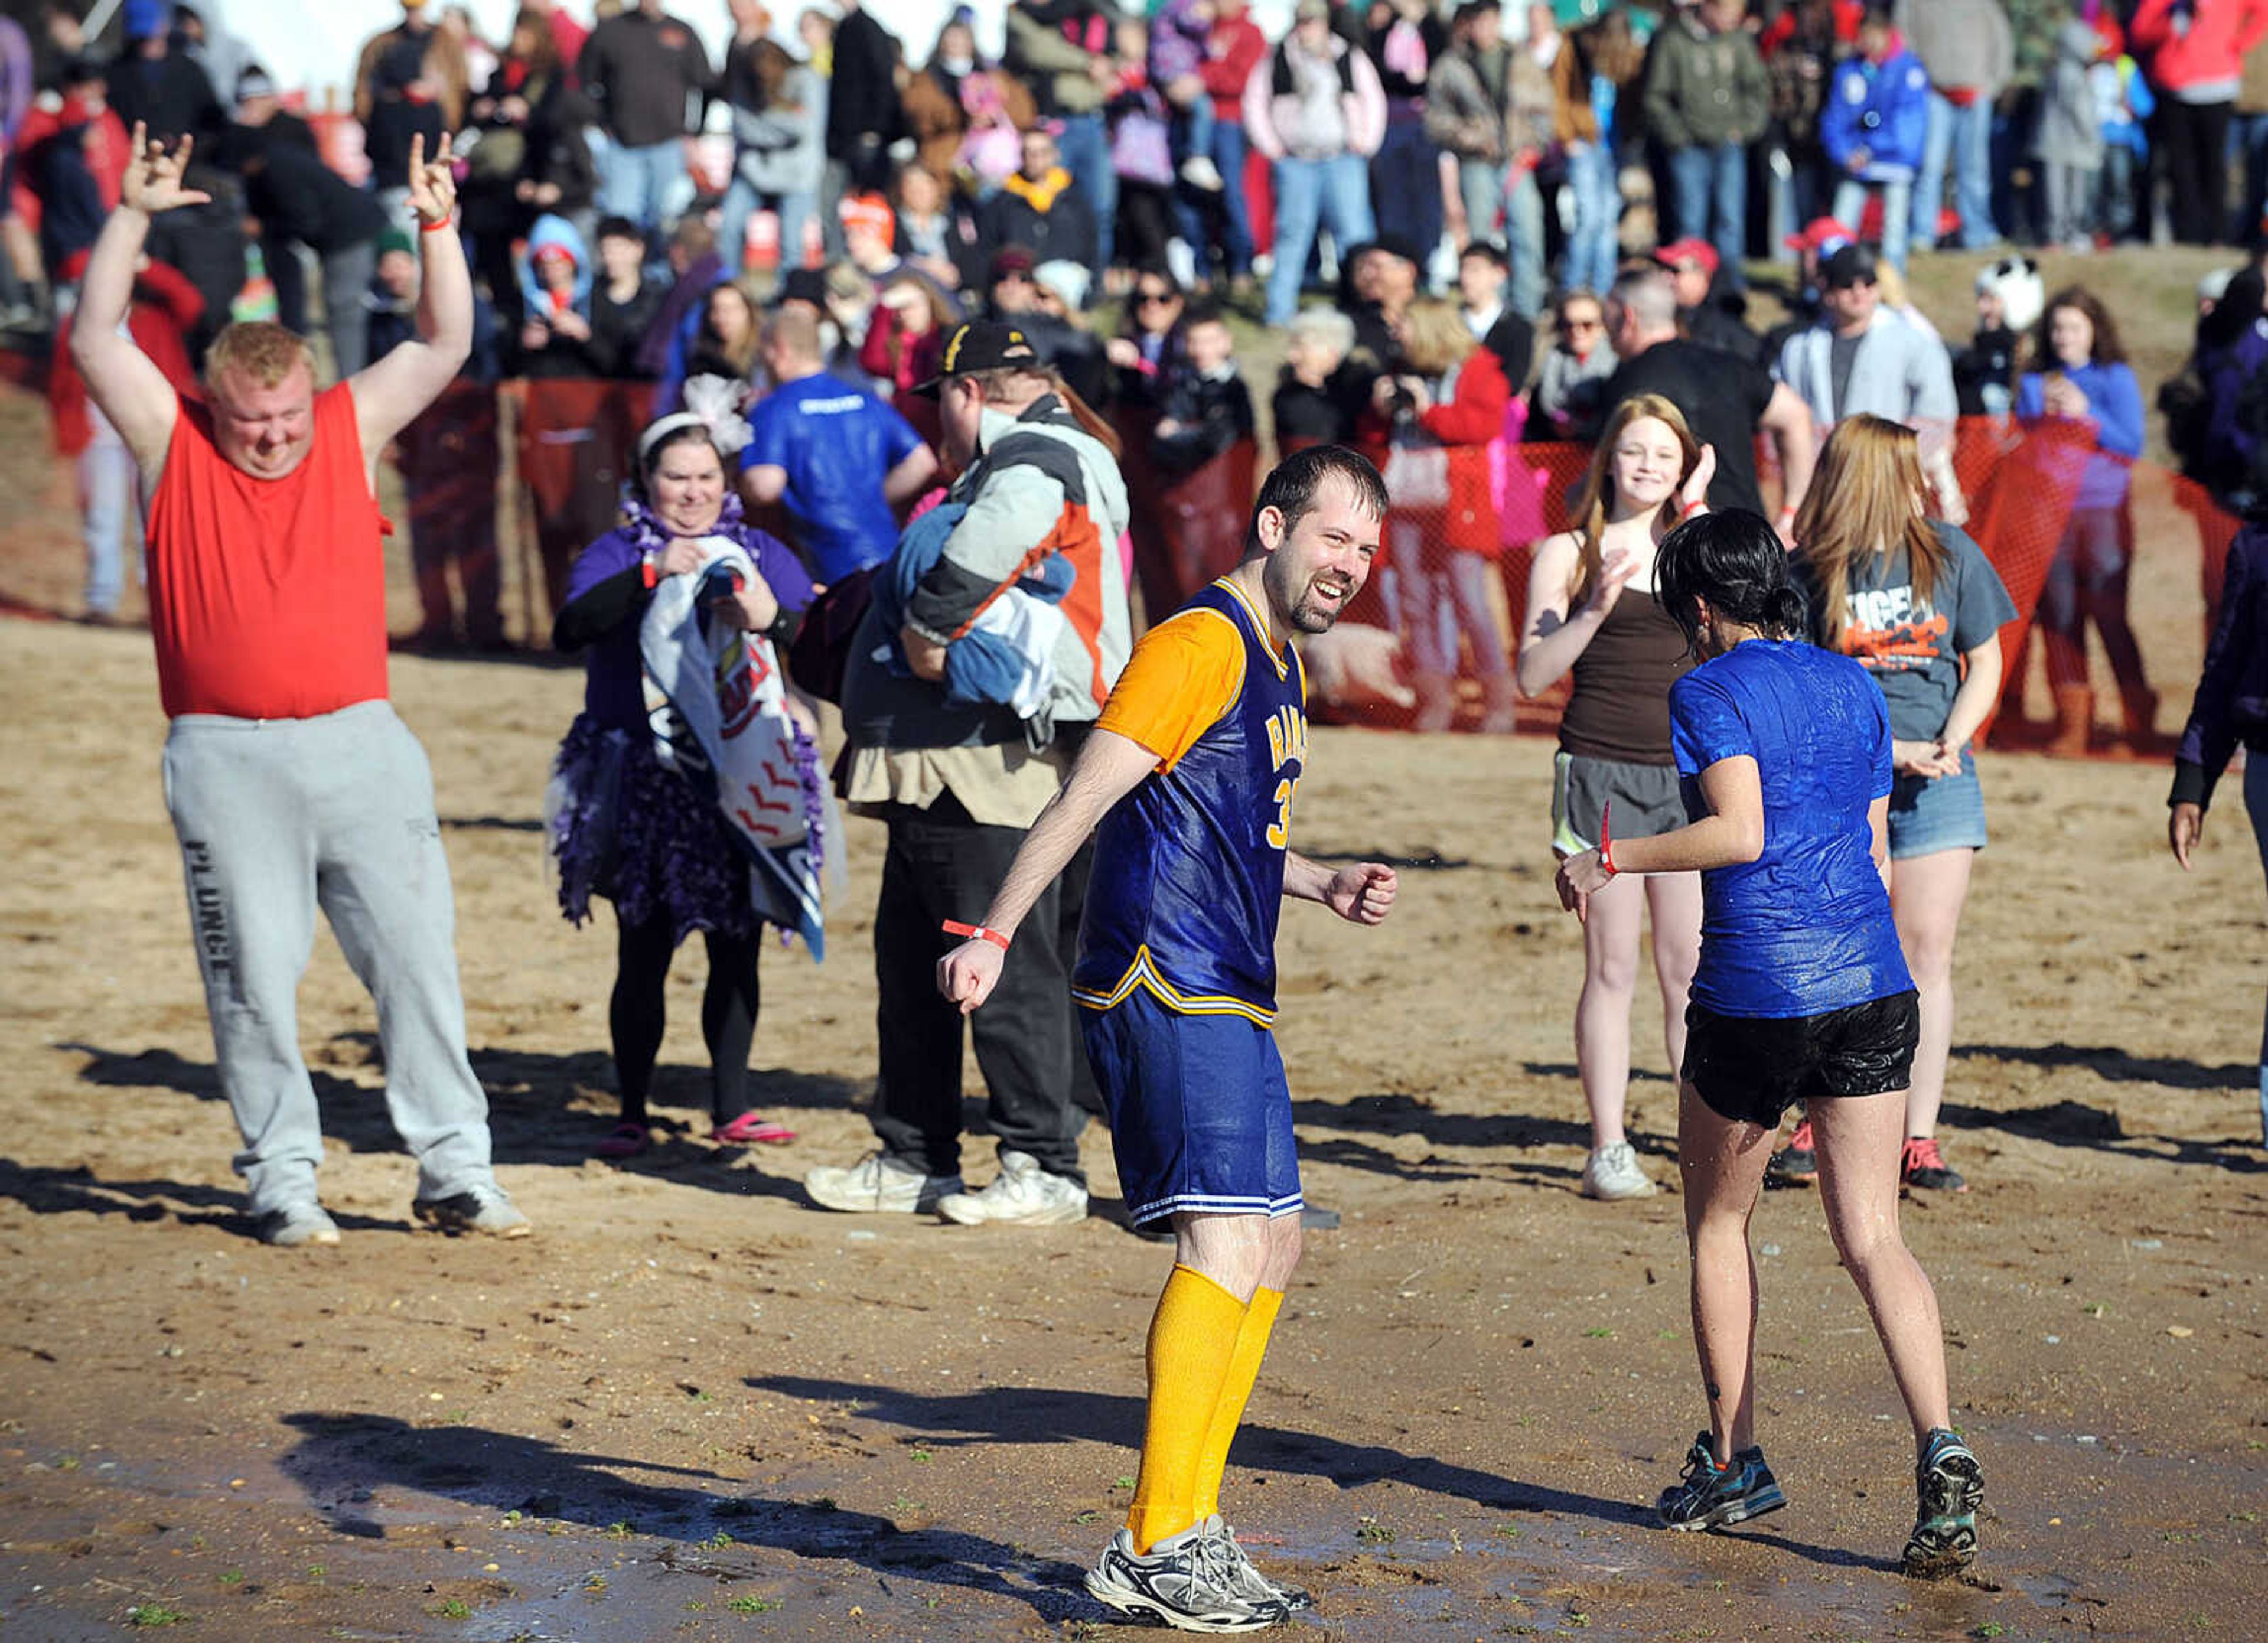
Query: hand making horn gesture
[[432, 183], [153, 182]]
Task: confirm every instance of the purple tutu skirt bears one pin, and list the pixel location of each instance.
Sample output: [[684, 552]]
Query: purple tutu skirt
[[646, 837]]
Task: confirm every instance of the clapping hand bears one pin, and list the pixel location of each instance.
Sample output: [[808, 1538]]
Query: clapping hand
[[432, 183], [1696, 488], [1615, 573], [153, 182]]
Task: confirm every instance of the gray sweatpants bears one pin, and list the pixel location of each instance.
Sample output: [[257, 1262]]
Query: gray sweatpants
[[276, 817]]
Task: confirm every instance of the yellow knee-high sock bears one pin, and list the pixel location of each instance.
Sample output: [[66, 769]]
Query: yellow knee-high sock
[[1193, 1338], [1235, 1392]]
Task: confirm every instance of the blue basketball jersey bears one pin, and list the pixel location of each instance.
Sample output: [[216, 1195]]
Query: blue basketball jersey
[[1188, 867]]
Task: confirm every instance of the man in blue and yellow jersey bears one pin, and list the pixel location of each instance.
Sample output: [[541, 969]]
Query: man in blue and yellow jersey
[[1191, 771]]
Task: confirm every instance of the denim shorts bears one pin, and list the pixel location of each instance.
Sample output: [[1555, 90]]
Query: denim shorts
[[1932, 812], [1752, 1069]]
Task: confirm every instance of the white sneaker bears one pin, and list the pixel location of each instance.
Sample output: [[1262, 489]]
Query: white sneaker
[[1613, 1172], [1245, 1582], [877, 1183], [1179, 1581], [477, 1210], [1199, 171], [1024, 1195], [297, 1224], [1181, 263]]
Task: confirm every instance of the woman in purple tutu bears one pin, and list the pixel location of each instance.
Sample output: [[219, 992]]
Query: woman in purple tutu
[[635, 814]]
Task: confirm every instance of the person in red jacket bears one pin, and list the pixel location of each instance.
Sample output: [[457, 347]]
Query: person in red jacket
[[2194, 50], [84, 116], [163, 310], [1233, 50], [1436, 420]]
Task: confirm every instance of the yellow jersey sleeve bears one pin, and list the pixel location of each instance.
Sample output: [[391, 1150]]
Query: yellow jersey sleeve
[[1185, 673]]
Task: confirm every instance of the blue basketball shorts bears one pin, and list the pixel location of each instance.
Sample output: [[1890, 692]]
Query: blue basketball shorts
[[1200, 1112]]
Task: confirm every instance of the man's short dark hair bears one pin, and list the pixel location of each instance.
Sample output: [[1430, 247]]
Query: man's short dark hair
[[1488, 251], [1203, 311], [618, 228], [1291, 489]]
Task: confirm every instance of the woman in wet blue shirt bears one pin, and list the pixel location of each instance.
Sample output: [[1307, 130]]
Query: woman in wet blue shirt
[[1802, 994]]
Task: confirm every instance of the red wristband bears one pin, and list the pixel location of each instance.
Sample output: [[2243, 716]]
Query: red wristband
[[425, 227], [648, 572], [1700, 504], [1606, 838], [976, 932]]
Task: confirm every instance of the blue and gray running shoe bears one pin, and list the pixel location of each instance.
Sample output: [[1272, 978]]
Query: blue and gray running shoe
[[1715, 1497], [1951, 1486]]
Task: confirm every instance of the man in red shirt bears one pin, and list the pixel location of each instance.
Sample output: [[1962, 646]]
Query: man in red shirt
[[291, 783]]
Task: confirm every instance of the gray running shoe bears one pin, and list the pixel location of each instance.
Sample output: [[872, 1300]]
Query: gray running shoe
[[297, 1224], [1024, 1195], [1951, 1487], [875, 1184], [1242, 1579], [479, 1211], [1179, 1581]]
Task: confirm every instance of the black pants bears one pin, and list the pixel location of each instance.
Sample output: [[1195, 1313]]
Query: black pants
[[2193, 153], [942, 864], [636, 1014]]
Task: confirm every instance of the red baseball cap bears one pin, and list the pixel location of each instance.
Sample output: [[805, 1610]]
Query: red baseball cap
[[871, 212], [1692, 248], [1820, 235]]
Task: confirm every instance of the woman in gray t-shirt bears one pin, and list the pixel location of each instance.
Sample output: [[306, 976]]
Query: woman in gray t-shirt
[[1917, 604]]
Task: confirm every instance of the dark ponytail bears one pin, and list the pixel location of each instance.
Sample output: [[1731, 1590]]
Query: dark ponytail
[[1735, 561]]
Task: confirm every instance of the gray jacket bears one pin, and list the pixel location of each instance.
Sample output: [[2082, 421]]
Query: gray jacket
[[1463, 115], [1899, 372], [1960, 42], [2069, 133], [783, 149]]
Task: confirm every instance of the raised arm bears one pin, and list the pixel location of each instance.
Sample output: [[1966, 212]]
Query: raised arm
[[1110, 766], [122, 379], [389, 392]]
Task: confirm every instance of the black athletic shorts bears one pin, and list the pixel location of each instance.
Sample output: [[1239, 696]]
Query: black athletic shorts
[[1750, 1068]]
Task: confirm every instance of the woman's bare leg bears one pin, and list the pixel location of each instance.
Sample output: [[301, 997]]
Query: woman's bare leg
[[1723, 1166], [1859, 1139]]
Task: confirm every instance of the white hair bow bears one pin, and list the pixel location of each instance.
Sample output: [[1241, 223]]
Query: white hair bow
[[712, 404]]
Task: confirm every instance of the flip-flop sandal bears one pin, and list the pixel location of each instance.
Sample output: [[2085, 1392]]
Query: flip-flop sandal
[[624, 1140], [748, 1128]]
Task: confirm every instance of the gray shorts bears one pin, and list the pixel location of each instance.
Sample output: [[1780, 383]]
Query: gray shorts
[[1645, 797]]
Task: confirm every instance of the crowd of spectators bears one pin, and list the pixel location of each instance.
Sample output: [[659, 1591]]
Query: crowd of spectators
[[809, 214]]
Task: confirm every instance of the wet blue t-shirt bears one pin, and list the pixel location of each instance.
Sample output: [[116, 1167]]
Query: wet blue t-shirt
[[837, 443], [1806, 927]]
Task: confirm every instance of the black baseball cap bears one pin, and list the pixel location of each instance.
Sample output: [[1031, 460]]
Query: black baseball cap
[[979, 346], [1847, 266]]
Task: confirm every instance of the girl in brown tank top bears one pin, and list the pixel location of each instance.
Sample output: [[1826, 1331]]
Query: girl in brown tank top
[[1592, 613]]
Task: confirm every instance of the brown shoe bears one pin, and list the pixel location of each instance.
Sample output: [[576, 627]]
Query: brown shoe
[[2074, 722]]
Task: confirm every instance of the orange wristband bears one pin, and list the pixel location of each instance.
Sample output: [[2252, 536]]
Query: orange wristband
[[976, 932], [1606, 838], [425, 227]]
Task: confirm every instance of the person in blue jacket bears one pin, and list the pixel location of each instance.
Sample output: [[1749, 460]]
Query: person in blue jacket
[[2082, 377], [1873, 126], [1802, 994]]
